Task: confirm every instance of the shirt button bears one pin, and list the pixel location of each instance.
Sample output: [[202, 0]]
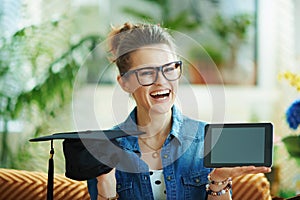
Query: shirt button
[[118, 186], [166, 156], [197, 180], [169, 178], [145, 177]]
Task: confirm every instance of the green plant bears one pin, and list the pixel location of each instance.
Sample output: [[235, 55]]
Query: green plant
[[287, 193], [233, 32], [184, 19], [208, 52], [292, 144], [37, 71]]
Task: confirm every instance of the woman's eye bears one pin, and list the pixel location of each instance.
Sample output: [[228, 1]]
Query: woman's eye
[[169, 69], [146, 73]]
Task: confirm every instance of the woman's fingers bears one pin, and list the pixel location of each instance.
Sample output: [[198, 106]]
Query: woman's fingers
[[258, 170], [238, 171]]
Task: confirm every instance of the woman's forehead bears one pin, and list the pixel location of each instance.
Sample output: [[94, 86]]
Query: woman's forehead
[[152, 55]]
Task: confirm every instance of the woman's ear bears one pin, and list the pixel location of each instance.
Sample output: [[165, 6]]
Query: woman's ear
[[124, 84]]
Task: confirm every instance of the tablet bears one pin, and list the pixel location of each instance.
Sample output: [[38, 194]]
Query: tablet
[[238, 144]]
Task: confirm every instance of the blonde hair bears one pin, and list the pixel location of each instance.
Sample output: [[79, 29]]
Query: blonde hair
[[130, 37]]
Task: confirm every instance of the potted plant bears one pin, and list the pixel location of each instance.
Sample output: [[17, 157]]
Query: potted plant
[[233, 32], [205, 65], [292, 142]]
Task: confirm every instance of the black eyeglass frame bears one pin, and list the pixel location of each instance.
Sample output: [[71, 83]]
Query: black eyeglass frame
[[159, 68]]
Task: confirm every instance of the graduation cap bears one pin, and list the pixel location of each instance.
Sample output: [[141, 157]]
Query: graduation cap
[[88, 154]]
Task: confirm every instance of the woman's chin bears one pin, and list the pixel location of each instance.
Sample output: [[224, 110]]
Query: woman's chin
[[161, 108]]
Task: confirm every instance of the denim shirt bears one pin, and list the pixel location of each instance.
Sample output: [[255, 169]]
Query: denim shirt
[[182, 160]]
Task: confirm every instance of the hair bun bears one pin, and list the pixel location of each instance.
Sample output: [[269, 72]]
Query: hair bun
[[127, 26], [115, 36]]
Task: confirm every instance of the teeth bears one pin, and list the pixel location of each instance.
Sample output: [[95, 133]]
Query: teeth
[[162, 92]]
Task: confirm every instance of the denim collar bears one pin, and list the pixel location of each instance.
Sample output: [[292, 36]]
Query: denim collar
[[131, 142]]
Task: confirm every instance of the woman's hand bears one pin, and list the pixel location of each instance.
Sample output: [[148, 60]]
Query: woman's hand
[[220, 174], [223, 175], [107, 185]]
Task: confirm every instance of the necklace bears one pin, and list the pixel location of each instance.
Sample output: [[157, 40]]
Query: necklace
[[155, 154]]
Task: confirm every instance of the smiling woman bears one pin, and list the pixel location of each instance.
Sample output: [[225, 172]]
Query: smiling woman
[[167, 161]]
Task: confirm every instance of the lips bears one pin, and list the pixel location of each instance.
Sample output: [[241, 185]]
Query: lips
[[160, 94]]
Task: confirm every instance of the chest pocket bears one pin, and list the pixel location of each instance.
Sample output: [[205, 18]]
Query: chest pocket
[[125, 189], [124, 186], [194, 179], [194, 185]]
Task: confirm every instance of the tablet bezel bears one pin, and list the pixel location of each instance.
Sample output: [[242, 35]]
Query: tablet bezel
[[268, 153]]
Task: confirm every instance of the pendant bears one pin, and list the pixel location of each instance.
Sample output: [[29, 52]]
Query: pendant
[[155, 154]]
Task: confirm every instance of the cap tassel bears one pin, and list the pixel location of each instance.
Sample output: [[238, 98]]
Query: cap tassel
[[50, 174]]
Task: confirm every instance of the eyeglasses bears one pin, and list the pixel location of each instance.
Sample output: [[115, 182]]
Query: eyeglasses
[[148, 75]]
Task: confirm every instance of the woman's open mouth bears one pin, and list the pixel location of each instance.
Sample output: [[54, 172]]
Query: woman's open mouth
[[161, 94]]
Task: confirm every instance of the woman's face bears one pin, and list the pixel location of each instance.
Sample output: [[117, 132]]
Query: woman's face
[[160, 96]]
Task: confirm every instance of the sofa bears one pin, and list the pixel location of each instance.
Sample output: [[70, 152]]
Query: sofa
[[27, 185]]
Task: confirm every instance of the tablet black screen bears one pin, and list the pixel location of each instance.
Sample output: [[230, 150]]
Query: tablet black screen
[[238, 145]]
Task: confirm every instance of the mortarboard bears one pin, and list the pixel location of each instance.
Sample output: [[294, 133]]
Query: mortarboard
[[83, 151]]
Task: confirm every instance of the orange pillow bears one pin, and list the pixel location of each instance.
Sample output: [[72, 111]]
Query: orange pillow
[[26, 185], [251, 187]]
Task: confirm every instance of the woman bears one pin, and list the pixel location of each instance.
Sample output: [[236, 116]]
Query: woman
[[170, 155]]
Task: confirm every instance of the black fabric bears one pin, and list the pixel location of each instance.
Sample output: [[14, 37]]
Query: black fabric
[[85, 158]]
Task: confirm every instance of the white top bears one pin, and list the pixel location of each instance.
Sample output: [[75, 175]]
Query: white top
[[158, 184]]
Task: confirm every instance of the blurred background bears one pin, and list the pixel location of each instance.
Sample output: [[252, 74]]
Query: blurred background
[[55, 75]]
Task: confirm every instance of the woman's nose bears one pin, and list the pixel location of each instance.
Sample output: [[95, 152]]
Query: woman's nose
[[160, 77]]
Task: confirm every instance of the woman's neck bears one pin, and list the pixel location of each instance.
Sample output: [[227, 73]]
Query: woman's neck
[[154, 124]]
